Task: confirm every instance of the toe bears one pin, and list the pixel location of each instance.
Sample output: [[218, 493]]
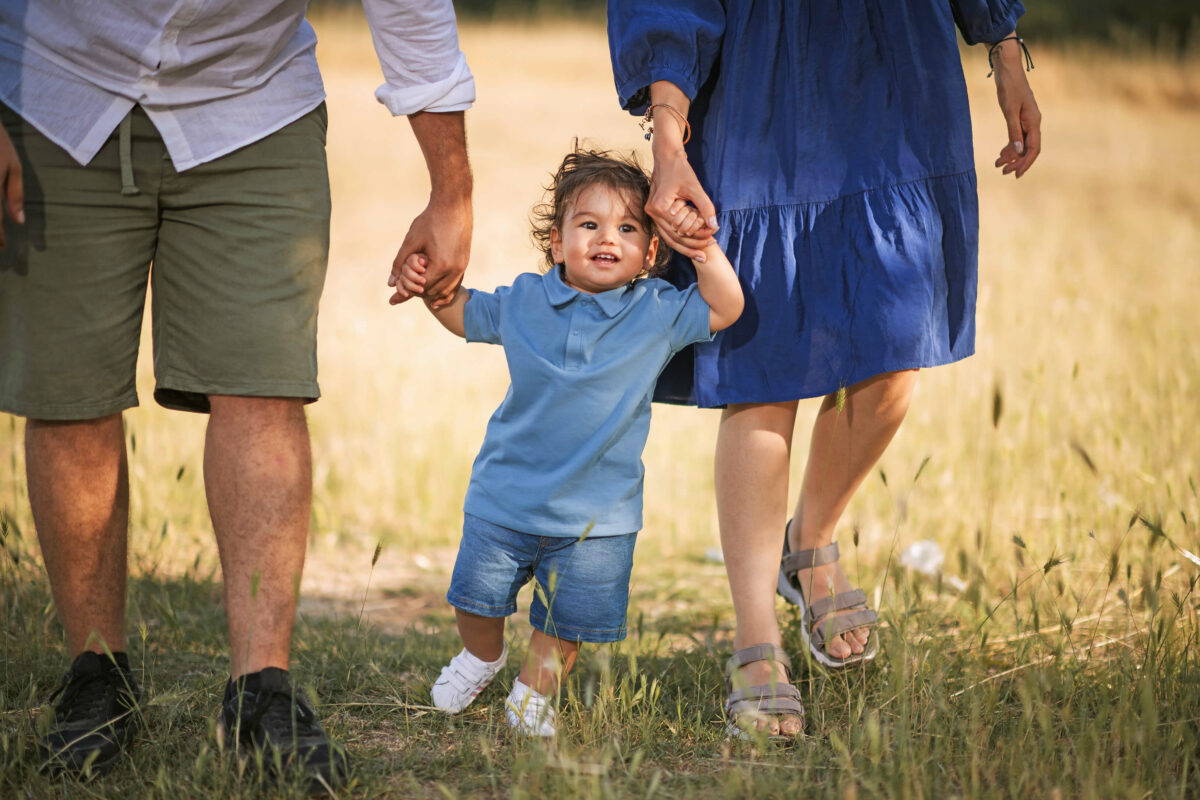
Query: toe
[[790, 726], [838, 648]]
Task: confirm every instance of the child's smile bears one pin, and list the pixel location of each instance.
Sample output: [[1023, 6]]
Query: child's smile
[[604, 242]]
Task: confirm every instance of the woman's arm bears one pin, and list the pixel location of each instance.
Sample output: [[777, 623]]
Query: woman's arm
[[673, 184], [991, 22], [662, 53], [1020, 110]]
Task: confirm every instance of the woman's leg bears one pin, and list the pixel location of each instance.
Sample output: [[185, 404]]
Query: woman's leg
[[846, 444], [753, 452]]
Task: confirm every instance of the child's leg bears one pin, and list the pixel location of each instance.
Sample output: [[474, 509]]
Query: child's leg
[[549, 659], [482, 636], [469, 672], [530, 703]]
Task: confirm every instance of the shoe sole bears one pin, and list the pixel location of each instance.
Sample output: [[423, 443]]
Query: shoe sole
[[270, 775]]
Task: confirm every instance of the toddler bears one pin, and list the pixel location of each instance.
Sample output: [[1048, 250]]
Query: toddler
[[556, 490]]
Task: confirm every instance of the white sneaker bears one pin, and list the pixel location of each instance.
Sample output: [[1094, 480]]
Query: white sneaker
[[529, 712], [463, 679]]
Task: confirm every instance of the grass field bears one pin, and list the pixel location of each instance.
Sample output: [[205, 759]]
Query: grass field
[[1057, 469]]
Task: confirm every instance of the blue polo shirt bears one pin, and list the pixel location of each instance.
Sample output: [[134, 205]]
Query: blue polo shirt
[[564, 450]]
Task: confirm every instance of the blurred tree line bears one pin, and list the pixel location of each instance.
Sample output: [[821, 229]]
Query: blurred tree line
[[1166, 26]]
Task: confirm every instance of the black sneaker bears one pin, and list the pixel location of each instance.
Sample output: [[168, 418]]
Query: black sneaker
[[95, 716], [263, 713]]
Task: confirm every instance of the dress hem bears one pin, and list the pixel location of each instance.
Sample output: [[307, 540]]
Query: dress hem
[[857, 377]]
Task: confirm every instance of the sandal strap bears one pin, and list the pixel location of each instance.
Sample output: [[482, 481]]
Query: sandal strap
[[771, 698], [829, 628], [824, 606], [757, 652], [807, 559]]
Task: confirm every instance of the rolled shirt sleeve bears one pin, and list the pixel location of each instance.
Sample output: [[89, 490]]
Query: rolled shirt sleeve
[[986, 20], [662, 40], [417, 45]]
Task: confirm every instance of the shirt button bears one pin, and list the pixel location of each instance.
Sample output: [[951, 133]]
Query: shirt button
[[574, 333]]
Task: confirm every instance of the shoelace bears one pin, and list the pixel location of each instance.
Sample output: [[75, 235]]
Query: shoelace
[[84, 696], [278, 708]]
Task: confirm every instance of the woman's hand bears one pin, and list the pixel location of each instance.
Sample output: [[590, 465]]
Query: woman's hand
[[1020, 110], [683, 213], [681, 209]]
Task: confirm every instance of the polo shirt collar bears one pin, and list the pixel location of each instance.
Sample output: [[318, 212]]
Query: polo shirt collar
[[559, 294]]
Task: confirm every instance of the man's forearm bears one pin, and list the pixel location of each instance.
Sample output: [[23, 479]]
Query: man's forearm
[[443, 141]]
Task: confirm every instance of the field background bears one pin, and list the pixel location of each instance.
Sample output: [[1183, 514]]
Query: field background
[[1057, 469]]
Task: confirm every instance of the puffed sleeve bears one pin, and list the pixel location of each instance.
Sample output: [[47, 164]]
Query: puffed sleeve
[[662, 40], [481, 315], [986, 20], [417, 45]]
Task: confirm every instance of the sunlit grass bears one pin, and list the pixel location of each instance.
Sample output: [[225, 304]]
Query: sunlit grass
[[1058, 472]]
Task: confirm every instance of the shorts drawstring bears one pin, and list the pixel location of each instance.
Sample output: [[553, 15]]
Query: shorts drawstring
[[125, 145]]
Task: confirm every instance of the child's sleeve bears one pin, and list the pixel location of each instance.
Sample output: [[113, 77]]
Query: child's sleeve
[[481, 315], [662, 40], [684, 314]]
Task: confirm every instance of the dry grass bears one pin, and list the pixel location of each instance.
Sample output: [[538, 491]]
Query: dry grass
[[1087, 328]]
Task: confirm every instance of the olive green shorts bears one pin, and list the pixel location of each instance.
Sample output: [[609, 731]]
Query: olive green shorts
[[234, 252]]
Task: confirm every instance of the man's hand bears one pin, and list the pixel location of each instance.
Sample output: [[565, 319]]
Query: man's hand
[[12, 188], [439, 239], [442, 232]]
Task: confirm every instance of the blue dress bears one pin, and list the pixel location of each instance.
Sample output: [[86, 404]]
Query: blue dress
[[835, 140]]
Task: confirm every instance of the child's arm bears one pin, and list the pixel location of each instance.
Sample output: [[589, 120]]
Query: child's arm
[[719, 286], [716, 281], [451, 314], [412, 282]]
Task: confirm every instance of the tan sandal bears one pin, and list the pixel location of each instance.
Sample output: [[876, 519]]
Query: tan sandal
[[817, 627], [761, 701]]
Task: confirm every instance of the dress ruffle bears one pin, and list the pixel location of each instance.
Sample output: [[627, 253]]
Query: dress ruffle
[[837, 292]]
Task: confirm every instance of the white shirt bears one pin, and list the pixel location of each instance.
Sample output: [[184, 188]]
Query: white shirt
[[213, 75]]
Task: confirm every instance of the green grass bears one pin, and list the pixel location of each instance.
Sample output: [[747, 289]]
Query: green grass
[[1103, 709]]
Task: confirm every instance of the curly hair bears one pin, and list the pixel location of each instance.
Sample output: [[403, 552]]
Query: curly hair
[[581, 169]]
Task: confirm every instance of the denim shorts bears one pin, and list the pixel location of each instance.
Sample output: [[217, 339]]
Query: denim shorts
[[581, 585]]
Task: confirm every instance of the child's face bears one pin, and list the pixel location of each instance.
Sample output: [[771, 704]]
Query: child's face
[[603, 242]]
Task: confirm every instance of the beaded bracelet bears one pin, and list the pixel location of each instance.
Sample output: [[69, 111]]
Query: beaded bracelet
[[1020, 43], [647, 123]]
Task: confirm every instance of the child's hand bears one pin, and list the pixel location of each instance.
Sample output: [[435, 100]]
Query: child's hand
[[412, 279], [686, 222]]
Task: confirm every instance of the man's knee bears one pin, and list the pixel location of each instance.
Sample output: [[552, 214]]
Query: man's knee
[[265, 409], [84, 437]]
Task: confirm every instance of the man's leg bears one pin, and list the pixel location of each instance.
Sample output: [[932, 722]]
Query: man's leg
[[258, 478], [79, 495]]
